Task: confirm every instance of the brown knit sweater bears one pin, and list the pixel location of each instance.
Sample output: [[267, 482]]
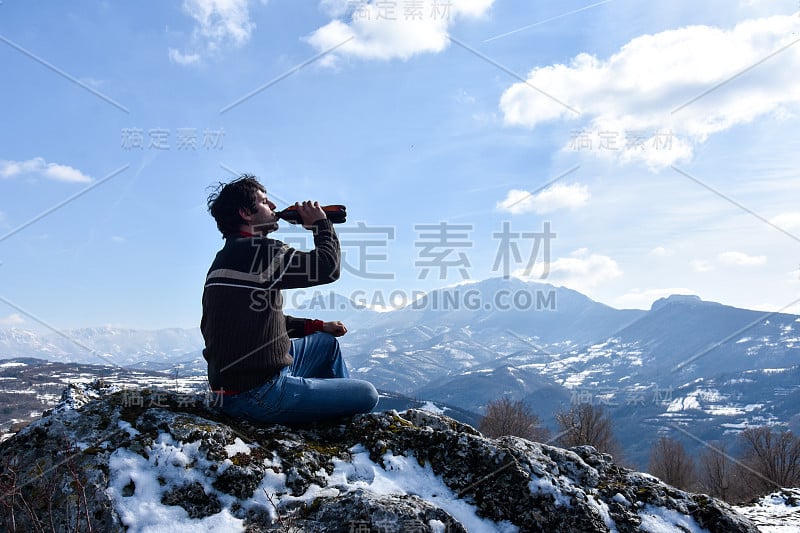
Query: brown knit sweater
[[245, 330]]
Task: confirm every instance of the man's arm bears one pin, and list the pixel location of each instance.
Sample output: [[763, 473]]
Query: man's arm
[[307, 269], [335, 328], [296, 327], [300, 327]]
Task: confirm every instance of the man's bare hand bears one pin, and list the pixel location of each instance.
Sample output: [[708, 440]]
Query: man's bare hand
[[336, 328], [310, 212]]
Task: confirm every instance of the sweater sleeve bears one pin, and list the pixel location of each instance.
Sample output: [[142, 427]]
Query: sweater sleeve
[[300, 327], [295, 327], [316, 267]]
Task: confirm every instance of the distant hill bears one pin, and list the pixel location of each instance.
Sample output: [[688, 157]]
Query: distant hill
[[104, 345]]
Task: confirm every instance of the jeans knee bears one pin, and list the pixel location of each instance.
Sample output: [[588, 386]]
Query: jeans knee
[[328, 338], [369, 396], [324, 342]]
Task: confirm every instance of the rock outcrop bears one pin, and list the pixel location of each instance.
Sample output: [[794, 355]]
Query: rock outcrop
[[154, 460]]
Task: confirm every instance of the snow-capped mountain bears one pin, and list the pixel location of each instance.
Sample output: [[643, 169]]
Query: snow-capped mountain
[[104, 345], [542, 311], [708, 367]]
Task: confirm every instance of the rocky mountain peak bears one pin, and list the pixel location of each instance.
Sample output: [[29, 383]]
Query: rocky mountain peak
[[685, 299], [141, 460]]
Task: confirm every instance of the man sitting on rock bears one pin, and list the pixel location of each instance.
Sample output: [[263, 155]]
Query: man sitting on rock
[[260, 372]]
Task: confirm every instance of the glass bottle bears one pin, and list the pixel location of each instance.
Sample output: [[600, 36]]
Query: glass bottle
[[336, 213]]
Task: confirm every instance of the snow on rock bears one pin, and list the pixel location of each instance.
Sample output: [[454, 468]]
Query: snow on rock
[[167, 464], [778, 512], [432, 408], [76, 395], [660, 520]]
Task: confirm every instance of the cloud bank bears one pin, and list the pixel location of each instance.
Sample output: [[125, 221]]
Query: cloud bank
[[41, 168], [690, 82], [391, 30], [551, 199], [580, 271], [218, 23]]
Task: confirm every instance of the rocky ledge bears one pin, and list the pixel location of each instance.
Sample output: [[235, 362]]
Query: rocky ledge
[[107, 461]]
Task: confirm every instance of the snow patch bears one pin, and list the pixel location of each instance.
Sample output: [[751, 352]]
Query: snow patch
[[142, 510], [405, 476], [432, 408], [660, 520], [602, 509], [683, 404], [238, 446], [543, 485], [774, 370], [778, 512], [619, 498]]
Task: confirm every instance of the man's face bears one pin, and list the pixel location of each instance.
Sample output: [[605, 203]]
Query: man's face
[[263, 219]]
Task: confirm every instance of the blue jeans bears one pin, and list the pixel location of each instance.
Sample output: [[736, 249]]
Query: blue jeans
[[317, 386]]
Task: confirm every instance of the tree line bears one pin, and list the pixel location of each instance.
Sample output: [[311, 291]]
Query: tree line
[[765, 458]]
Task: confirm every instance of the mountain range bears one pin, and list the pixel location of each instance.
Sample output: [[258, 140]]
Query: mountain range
[[690, 368]]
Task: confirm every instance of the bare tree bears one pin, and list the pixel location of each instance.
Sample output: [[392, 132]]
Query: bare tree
[[716, 471], [504, 417], [585, 423], [772, 458], [670, 463], [723, 476]]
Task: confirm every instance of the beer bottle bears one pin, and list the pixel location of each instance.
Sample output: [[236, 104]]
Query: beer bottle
[[336, 213]]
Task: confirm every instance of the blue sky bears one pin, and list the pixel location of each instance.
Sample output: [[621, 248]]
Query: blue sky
[[657, 140]]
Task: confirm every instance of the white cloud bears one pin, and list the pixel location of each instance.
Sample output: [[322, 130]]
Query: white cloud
[[660, 251], [12, 320], [580, 271], [787, 221], [39, 167], [643, 299], [218, 23], [637, 90], [391, 30], [555, 197], [741, 259], [176, 56], [700, 265]]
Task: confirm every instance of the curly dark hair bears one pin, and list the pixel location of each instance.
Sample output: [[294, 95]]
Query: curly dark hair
[[227, 199]]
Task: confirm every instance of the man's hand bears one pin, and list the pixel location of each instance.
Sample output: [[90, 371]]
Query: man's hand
[[310, 212], [336, 328]]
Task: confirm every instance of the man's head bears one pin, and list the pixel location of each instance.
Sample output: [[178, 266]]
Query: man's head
[[240, 204]]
